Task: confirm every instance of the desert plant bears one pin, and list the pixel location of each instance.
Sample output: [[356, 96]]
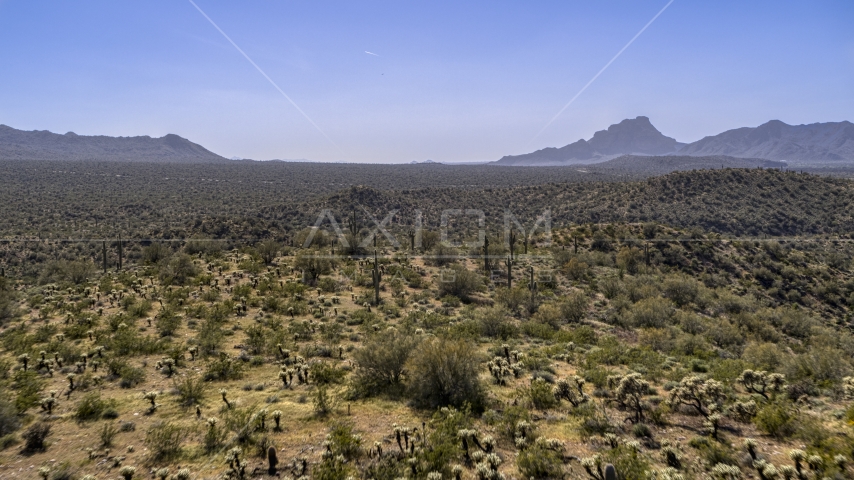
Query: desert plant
[[190, 390], [34, 437], [762, 383], [704, 396], [164, 440], [629, 391], [443, 372], [381, 363], [107, 434]]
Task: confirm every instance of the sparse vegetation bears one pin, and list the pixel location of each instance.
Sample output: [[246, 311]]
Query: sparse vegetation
[[654, 344]]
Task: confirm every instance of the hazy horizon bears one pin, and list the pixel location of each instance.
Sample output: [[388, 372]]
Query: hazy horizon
[[393, 83]]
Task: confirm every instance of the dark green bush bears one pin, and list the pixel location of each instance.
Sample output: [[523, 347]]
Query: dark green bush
[[164, 440], [540, 462], [776, 419], [381, 363], [91, 407], [444, 372]]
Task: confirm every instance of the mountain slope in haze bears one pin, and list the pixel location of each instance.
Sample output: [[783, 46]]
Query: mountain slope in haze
[[631, 136], [43, 145], [660, 165], [775, 140]]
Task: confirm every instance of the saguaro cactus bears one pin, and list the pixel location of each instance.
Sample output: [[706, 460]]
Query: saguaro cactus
[[486, 254], [272, 460], [377, 276], [509, 263]]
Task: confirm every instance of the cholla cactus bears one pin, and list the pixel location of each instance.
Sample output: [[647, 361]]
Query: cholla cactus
[[162, 473], [629, 391], [500, 369], [550, 443], [666, 474], [571, 390], [457, 471], [284, 377], [277, 417], [47, 404], [127, 472], [712, 424], [768, 472], [705, 396], [798, 456], [761, 382], [434, 476], [672, 454], [593, 466], [750, 446], [488, 468], [726, 472], [743, 411], [788, 472], [151, 397], [25, 360], [168, 366], [815, 462], [44, 472], [261, 418], [848, 387], [183, 474], [224, 392]]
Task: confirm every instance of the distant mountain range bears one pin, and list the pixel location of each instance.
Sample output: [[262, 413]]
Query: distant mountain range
[[43, 145], [819, 143], [797, 145]]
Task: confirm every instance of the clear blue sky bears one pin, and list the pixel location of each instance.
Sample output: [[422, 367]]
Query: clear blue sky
[[454, 81]]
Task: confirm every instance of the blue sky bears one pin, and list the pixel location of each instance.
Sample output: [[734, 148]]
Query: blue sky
[[454, 81]]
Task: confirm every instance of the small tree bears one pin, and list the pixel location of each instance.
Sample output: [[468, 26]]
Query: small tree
[[629, 392], [704, 396], [268, 250], [444, 372], [571, 390], [761, 382]]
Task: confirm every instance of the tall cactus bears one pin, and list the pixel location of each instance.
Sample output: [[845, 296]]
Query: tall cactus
[[509, 263], [377, 276], [512, 243], [119, 264], [610, 472], [486, 254], [533, 286]]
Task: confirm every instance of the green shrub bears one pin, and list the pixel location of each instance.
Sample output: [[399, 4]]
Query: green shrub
[[776, 419], [444, 372], [34, 437], [459, 282], [9, 421], [164, 440], [540, 461], [224, 368], [91, 407], [190, 390], [574, 307], [167, 322], [381, 363], [651, 313], [495, 323], [342, 441], [29, 386], [541, 395], [628, 462]]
